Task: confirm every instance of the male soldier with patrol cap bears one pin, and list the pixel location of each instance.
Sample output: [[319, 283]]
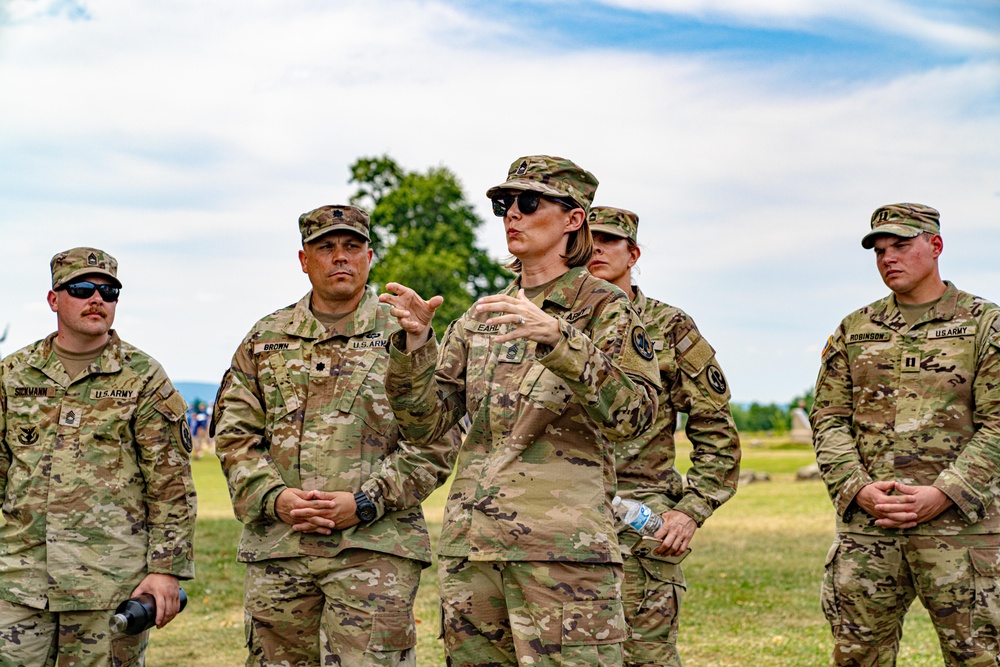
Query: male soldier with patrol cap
[[906, 428], [98, 500], [692, 383], [302, 413]]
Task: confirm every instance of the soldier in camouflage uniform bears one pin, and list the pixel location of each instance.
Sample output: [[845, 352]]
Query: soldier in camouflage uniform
[[906, 428], [302, 413], [692, 383], [551, 371], [98, 501]]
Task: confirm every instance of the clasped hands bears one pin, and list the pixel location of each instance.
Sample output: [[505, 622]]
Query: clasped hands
[[316, 511], [898, 505]]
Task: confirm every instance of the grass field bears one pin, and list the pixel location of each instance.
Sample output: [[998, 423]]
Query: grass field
[[753, 579]]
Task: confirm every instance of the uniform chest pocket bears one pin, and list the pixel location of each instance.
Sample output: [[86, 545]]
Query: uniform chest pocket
[[543, 387], [363, 393], [30, 425], [26, 422], [106, 440], [936, 372], [111, 418], [279, 391]]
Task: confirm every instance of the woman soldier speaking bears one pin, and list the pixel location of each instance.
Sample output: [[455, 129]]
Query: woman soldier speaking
[[550, 371]]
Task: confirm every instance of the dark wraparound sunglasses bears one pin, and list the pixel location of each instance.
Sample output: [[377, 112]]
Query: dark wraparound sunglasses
[[84, 289], [527, 202]]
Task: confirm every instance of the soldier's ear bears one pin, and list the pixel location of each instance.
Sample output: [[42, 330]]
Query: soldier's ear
[[635, 254], [937, 244], [575, 220], [53, 300], [303, 262]]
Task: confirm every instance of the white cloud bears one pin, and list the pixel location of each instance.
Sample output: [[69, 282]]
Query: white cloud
[[187, 137], [881, 16]]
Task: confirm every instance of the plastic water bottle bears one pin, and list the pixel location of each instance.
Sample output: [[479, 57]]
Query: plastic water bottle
[[138, 614], [637, 516]]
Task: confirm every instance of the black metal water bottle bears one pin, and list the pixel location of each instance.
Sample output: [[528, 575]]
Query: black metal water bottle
[[138, 614]]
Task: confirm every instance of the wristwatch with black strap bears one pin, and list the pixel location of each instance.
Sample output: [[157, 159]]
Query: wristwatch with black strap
[[366, 510]]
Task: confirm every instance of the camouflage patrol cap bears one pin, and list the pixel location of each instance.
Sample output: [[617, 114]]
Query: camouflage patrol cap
[[335, 218], [613, 222], [551, 176], [77, 262], [905, 220]]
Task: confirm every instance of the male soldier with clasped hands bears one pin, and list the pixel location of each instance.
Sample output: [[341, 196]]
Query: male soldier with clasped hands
[[302, 414], [906, 429]]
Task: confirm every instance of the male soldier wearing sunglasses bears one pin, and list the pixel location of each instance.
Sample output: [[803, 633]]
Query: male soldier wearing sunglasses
[[99, 504]]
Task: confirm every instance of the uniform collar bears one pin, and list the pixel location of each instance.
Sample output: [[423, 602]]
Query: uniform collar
[[44, 359], [564, 290], [305, 325], [639, 303], [887, 312]]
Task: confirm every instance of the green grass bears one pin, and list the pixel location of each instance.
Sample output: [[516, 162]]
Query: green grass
[[753, 579]]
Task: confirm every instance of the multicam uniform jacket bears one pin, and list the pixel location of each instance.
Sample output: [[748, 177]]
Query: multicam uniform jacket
[[306, 408], [693, 383], [535, 476], [920, 405], [96, 478]]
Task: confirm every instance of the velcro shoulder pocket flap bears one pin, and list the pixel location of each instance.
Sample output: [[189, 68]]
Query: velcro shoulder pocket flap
[[694, 359], [174, 407]]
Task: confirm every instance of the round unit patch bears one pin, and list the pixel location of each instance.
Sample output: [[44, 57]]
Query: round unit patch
[[641, 343], [716, 380], [185, 436]]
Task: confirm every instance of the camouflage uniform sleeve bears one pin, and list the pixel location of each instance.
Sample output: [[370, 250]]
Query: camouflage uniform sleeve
[[407, 476], [5, 455], [163, 444], [615, 384], [971, 480], [701, 390], [836, 452], [238, 426], [427, 389]]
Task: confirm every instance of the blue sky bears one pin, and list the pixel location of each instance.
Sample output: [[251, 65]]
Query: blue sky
[[753, 137]]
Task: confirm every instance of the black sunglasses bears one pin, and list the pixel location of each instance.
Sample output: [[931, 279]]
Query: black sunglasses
[[527, 202], [84, 289]]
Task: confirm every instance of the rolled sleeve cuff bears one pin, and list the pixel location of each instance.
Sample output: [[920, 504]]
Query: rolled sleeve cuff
[[372, 489], [844, 501], [565, 359], [270, 498], [173, 558], [966, 501], [405, 367], [694, 507]]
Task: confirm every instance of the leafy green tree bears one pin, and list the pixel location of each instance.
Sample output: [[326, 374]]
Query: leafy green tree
[[759, 418], [424, 235]]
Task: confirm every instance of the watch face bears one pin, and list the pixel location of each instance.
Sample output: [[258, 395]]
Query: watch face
[[366, 512]]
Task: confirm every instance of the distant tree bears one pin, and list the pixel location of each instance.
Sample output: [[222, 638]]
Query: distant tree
[[424, 235], [758, 418]]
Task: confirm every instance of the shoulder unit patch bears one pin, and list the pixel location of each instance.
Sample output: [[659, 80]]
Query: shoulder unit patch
[[641, 343]]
